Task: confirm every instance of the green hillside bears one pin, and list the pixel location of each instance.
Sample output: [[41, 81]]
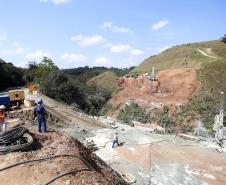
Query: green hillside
[[106, 81], [211, 72], [185, 55]]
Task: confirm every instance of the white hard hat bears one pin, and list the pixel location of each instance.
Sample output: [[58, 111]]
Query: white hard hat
[[39, 100], [2, 107]]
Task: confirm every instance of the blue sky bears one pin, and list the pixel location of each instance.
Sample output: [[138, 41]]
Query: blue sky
[[118, 33]]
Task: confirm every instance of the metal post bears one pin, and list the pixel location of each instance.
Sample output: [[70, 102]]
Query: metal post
[[222, 109]]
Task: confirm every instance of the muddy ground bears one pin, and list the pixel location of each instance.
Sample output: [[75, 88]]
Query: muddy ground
[[39, 173]]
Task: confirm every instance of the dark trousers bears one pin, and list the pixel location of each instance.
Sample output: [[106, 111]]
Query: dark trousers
[[114, 142], [42, 125]]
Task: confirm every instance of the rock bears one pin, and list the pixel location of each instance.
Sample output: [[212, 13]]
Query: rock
[[68, 182]]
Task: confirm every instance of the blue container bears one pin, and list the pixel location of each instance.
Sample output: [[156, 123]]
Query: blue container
[[4, 99]]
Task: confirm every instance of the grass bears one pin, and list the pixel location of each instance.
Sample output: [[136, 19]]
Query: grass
[[185, 56], [106, 81], [213, 80], [211, 73]]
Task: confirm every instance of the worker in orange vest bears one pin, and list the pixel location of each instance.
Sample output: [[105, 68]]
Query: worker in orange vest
[[3, 124]]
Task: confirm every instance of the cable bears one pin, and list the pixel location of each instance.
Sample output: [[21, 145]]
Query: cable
[[18, 146], [67, 173], [11, 135], [46, 158]]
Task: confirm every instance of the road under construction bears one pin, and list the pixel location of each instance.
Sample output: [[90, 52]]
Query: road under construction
[[143, 157]]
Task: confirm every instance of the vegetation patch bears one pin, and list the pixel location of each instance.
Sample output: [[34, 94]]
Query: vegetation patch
[[182, 56], [206, 103], [165, 119], [10, 76], [106, 81], [133, 112]]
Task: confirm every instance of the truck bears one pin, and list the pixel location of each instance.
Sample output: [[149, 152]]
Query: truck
[[12, 98], [4, 99]]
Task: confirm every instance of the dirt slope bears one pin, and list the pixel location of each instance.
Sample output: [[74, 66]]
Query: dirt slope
[[39, 173], [173, 86]]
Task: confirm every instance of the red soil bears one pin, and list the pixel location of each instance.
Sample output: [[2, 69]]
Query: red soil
[[173, 86]]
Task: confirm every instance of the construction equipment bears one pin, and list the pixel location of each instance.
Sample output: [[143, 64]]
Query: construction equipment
[[218, 126], [152, 75], [4, 99], [32, 89], [129, 178], [89, 143], [16, 97]]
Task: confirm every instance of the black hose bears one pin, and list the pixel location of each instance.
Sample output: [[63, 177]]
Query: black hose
[[27, 143], [67, 173], [12, 134], [46, 158]]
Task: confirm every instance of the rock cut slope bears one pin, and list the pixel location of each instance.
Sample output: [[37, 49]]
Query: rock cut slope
[[172, 87]]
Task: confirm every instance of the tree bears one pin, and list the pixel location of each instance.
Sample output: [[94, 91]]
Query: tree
[[30, 73], [39, 72], [10, 76], [223, 39], [46, 66]]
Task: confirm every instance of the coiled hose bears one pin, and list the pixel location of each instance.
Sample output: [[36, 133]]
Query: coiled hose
[[15, 139], [12, 134]]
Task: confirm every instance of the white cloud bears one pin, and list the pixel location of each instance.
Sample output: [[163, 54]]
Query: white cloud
[[56, 2], [73, 57], [6, 52], [3, 35], [163, 48], [159, 25], [101, 61], [16, 44], [11, 52], [38, 54], [148, 48], [114, 28], [120, 48], [85, 41], [107, 45], [136, 52], [19, 51], [106, 25]]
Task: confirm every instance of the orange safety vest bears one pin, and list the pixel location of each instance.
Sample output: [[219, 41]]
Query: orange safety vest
[[2, 116]]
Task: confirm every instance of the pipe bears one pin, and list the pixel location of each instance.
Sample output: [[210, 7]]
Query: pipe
[[67, 173], [45, 158]]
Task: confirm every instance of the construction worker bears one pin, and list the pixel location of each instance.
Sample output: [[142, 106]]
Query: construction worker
[[115, 140], [40, 114], [3, 124]]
